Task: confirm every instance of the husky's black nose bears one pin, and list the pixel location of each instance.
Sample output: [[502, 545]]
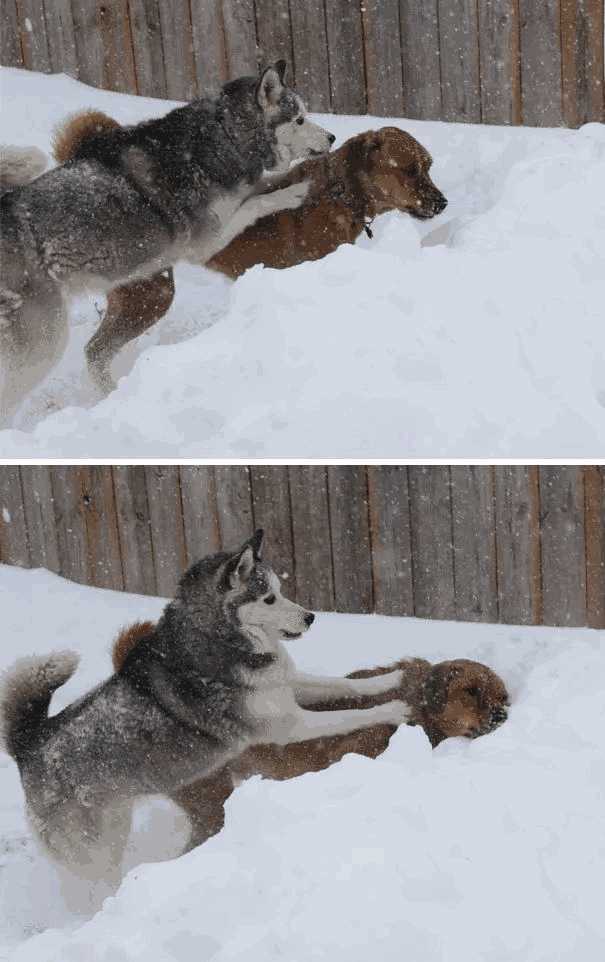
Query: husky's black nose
[[331, 138], [309, 619]]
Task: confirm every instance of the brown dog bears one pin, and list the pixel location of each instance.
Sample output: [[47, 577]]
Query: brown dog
[[370, 174], [453, 698]]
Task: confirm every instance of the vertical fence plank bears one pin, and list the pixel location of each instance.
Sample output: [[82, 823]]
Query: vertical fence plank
[[472, 492], [89, 42], [200, 517], [594, 508], [459, 45], [134, 529], [499, 62], [432, 547], [240, 37], [147, 47], [518, 544], [14, 548], [421, 60], [541, 62], [592, 76], [118, 59], [311, 535], [274, 32], [177, 44], [11, 52], [61, 38], [563, 545], [349, 526], [234, 505], [67, 490], [102, 528], [384, 72], [34, 42], [345, 50], [391, 540], [310, 43], [208, 37], [271, 507], [167, 534], [40, 517]]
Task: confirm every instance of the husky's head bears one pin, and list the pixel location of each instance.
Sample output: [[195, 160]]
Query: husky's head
[[239, 590], [253, 596], [296, 137]]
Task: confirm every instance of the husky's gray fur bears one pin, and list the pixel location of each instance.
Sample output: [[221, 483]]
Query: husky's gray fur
[[136, 200], [210, 680]]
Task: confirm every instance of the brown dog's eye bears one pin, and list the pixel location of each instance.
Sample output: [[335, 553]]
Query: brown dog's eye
[[472, 690], [413, 170]]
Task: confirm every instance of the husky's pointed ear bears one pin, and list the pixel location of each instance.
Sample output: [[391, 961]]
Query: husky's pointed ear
[[269, 89], [256, 543], [282, 68], [239, 568]]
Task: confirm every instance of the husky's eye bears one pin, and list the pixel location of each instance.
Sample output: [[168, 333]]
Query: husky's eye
[[300, 121], [270, 600]]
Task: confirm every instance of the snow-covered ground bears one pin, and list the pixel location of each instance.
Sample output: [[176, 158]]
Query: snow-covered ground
[[483, 851], [477, 334]]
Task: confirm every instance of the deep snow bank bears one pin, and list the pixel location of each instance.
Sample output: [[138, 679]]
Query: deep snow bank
[[487, 851], [477, 334]]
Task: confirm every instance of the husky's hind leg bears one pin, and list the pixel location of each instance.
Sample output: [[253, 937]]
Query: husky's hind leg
[[131, 310], [33, 335]]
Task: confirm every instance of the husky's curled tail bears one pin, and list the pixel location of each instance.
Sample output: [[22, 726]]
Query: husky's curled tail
[[19, 166], [25, 694]]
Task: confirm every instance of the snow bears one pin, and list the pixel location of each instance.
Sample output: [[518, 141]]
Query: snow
[[478, 334], [487, 851]]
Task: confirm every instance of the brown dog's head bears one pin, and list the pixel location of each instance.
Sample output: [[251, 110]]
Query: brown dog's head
[[396, 174], [462, 698]]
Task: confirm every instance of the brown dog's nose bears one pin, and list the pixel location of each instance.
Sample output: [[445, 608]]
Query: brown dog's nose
[[331, 138], [309, 619], [440, 204]]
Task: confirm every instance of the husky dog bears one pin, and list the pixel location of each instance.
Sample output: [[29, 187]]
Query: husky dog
[[211, 679], [135, 200]]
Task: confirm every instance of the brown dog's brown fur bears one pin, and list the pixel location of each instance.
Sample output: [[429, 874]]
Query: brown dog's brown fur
[[371, 173], [452, 698]]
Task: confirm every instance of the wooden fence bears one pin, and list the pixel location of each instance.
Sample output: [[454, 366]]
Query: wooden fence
[[537, 62], [512, 544]]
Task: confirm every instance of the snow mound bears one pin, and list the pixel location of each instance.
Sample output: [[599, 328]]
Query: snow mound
[[434, 337], [487, 851]]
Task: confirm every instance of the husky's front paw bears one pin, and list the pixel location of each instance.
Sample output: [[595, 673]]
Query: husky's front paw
[[394, 713], [287, 198]]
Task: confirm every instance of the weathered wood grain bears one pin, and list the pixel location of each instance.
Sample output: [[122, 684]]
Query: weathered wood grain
[[391, 539], [384, 71], [499, 57], [175, 24], [310, 44], [563, 545], [311, 536], [421, 59], [61, 37], [14, 547], [594, 525], [345, 51], [473, 516], [541, 63], [134, 529], [432, 545], [234, 505], [167, 533], [89, 42], [40, 517], [11, 51], [240, 37], [349, 526], [118, 58], [67, 484], [200, 513], [274, 32], [517, 521], [34, 40], [271, 507], [102, 528], [459, 56], [146, 33], [208, 38]]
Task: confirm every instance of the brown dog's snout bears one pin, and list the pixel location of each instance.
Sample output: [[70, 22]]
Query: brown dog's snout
[[439, 204], [499, 714]]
